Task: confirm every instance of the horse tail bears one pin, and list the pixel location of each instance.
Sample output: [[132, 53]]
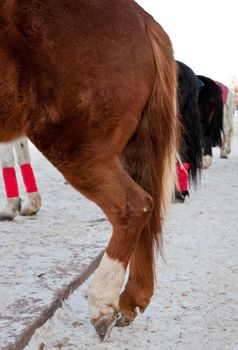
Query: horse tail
[[217, 118], [193, 134], [150, 155]]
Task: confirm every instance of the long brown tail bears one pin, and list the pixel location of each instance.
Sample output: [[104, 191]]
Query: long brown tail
[[150, 155]]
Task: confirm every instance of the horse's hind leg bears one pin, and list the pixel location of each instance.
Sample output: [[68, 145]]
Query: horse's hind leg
[[128, 207], [140, 286]]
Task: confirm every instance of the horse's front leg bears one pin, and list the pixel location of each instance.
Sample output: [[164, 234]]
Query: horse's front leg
[[33, 202], [13, 201], [128, 207]]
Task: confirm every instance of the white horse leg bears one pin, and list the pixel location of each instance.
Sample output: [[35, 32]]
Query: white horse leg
[[103, 294], [33, 202], [227, 125], [13, 203], [223, 153], [230, 126]]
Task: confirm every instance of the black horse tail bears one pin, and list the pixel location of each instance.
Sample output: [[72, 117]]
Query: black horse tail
[[191, 146], [217, 119]]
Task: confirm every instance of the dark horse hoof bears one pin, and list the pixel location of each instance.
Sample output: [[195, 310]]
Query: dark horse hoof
[[104, 326], [180, 196], [123, 321], [223, 156]]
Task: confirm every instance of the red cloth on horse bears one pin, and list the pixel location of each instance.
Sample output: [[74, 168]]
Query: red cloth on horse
[[224, 91], [182, 174], [29, 178], [10, 181]]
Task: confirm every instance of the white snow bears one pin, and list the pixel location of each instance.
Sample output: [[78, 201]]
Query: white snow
[[40, 255]]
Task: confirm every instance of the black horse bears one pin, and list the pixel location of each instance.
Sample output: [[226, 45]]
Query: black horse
[[211, 111], [191, 145]]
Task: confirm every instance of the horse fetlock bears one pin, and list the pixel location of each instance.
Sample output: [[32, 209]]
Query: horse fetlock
[[102, 304], [32, 205], [128, 314], [133, 302], [11, 209], [228, 149], [129, 307]]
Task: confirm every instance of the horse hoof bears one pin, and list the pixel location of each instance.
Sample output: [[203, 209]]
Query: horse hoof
[[179, 197], [123, 321], [11, 209], [223, 156], [6, 217], [32, 204], [104, 326], [207, 161]]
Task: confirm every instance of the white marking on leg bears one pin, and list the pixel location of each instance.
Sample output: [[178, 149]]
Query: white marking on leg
[[104, 289], [207, 161], [22, 151], [7, 155]]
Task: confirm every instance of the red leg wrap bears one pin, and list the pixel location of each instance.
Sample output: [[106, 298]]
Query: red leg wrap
[[182, 174], [28, 178], [10, 182]]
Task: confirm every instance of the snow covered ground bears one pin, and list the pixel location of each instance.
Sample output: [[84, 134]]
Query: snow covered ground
[[195, 305], [42, 254]]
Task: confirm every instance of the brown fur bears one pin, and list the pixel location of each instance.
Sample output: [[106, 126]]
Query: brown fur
[[90, 83]]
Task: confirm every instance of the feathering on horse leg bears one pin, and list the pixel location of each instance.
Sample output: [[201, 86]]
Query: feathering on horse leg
[[127, 207]]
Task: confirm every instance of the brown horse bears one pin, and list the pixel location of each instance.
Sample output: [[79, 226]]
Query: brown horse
[[93, 85]]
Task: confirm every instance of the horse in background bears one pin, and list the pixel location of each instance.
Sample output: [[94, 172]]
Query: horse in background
[[93, 86], [13, 205], [191, 141], [228, 111], [211, 112]]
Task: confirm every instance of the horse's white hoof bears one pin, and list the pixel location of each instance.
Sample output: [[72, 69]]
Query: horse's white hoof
[[32, 204], [104, 325], [207, 161], [11, 209]]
